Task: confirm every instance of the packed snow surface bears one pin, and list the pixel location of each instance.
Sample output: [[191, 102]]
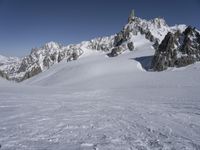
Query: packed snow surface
[[101, 103]]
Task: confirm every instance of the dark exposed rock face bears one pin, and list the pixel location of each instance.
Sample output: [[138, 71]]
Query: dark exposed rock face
[[122, 42], [185, 60], [156, 45], [130, 46], [165, 55], [61, 56], [177, 50], [73, 56], [149, 36], [3, 75], [23, 65], [119, 39], [122, 37], [34, 71], [46, 62], [115, 52]]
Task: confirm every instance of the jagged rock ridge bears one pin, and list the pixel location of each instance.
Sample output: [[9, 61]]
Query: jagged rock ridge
[[177, 50], [41, 59], [154, 30]]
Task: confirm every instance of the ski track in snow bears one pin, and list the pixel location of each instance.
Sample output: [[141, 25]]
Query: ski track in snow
[[115, 107]]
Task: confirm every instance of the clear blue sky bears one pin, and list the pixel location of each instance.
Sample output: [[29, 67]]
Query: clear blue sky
[[25, 24]]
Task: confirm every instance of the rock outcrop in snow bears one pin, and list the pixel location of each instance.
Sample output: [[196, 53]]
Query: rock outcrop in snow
[[177, 50], [43, 58]]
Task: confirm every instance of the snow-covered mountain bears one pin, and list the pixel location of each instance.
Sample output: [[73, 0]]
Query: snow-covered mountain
[[41, 59], [154, 30], [105, 103]]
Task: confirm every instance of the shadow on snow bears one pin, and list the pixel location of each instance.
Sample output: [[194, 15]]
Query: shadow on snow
[[145, 61]]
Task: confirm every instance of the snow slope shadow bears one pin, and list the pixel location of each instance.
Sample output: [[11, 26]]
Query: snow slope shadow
[[144, 61]]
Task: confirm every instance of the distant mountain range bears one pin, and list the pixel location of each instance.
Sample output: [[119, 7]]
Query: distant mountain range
[[174, 46]]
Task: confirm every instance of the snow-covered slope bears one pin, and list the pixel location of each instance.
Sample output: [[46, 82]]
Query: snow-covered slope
[[95, 64], [103, 103]]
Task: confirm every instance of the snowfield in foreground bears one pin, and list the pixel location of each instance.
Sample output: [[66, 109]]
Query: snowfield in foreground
[[101, 103]]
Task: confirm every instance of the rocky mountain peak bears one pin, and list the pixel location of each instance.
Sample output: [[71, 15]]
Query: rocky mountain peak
[[51, 45], [159, 22], [154, 30], [177, 50]]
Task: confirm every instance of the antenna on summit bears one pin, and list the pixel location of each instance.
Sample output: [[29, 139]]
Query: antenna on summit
[[132, 16], [132, 13]]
